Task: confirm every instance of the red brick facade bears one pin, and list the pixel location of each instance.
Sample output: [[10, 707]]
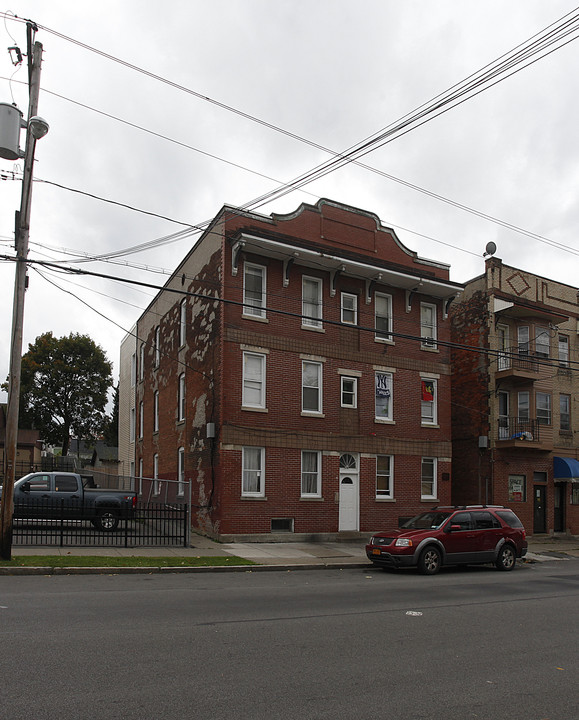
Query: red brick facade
[[295, 400]]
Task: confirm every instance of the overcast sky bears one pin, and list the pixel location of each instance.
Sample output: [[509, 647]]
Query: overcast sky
[[331, 72]]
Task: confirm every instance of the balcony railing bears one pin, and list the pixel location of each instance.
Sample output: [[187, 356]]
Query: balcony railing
[[516, 359], [517, 431]]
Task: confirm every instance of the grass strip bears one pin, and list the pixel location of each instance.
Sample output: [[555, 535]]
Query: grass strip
[[117, 561]]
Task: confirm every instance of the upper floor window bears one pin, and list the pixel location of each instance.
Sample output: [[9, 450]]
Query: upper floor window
[[156, 484], [181, 398], [253, 380], [383, 316], [543, 408], [253, 478], [349, 309], [383, 390], [428, 324], [254, 290], [563, 351], [157, 346], [542, 342], [428, 401], [142, 361], [156, 411], [311, 387], [349, 389], [182, 322], [141, 419], [133, 369], [311, 474], [523, 339], [428, 488], [565, 412], [132, 423], [311, 302], [384, 476], [523, 405]]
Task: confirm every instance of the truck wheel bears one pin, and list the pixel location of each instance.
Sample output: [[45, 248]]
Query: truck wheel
[[107, 520]]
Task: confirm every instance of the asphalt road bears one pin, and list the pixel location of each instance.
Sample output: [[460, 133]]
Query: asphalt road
[[310, 644]]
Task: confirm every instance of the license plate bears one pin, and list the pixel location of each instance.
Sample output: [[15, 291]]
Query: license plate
[[375, 551]]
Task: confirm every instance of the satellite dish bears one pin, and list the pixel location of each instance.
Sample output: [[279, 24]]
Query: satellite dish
[[490, 249]]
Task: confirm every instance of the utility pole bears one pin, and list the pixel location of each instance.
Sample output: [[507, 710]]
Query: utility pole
[[35, 129]]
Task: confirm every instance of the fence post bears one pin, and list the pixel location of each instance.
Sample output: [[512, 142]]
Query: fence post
[[186, 525], [62, 522]]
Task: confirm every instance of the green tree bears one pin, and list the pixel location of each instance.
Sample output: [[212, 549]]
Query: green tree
[[64, 388], [111, 428]]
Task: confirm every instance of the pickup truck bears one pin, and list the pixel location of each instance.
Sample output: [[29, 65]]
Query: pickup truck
[[57, 495]]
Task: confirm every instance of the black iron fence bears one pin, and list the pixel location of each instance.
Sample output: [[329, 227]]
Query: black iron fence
[[63, 524]]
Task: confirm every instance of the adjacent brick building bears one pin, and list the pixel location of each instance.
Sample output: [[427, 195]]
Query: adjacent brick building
[[296, 370], [515, 417]]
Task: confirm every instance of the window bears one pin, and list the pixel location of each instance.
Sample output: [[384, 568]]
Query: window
[[133, 369], [142, 361], [542, 342], [140, 476], [383, 396], [181, 472], [428, 324], [132, 426], [349, 309], [517, 488], [156, 484], [311, 302], [428, 401], [563, 351], [141, 419], [575, 493], [253, 481], [428, 488], [523, 339], [181, 398], [254, 290], [543, 408], [156, 411], [384, 476], [484, 521], [311, 474], [523, 406], [504, 422], [39, 483], [253, 380], [349, 391], [311, 387], [383, 316], [565, 412], [504, 359], [157, 346], [182, 322]]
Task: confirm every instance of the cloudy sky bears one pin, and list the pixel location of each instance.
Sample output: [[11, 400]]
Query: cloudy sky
[[254, 91]]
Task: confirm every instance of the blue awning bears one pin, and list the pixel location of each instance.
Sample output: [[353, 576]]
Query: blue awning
[[565, 468]]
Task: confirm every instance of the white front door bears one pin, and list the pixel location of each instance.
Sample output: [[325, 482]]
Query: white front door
[[349, 492]]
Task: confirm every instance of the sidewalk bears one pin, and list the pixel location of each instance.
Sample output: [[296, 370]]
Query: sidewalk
[[292, 554]]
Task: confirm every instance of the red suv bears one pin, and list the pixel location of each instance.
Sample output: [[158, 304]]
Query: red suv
[[452, 536]]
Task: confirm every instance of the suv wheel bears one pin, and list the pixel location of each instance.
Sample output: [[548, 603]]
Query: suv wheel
[[507, 557], [430, 561]]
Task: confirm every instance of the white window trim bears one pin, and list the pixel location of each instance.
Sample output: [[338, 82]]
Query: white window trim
[[262, 404], [141, 420], [142, 361], [181, 472], [428, 342], [390, 494], [157, 346], [390, 416], [313, 322], [182, 322], [156, 411], [132, 425], [181, 398], [354, 309], [319, 411], [261, 492], [435, 479], [156, 483], [377, 338], [318, 492], [251, 311], [354, 380], [434, 421]]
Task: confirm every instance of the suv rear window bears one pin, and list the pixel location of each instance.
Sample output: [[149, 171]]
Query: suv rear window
[[510, 518]]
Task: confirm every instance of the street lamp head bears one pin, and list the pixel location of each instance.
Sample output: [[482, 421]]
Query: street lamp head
[[38, 127]]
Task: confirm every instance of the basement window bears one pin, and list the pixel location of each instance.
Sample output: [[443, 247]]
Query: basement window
[[282, 525]]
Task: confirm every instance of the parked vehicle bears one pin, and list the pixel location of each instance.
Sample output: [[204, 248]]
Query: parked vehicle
[[58, 495], [452, 536]]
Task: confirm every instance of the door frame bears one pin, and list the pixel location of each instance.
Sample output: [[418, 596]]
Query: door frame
[[350, 521]]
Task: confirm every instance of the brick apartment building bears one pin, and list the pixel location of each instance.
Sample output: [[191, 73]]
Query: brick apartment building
[[515, 415], [295, 369]]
